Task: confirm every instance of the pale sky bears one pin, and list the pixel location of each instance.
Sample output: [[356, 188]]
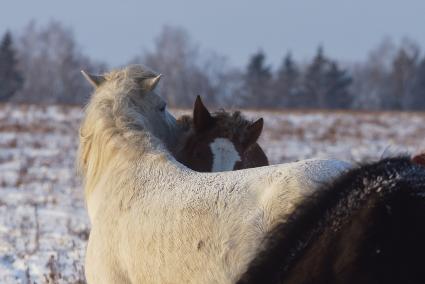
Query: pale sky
[[115, 31]]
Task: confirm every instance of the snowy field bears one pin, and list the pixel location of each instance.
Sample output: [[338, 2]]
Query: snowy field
[[43, 221]]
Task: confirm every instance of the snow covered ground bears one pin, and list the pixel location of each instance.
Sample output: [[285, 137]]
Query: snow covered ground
[[43, 221]]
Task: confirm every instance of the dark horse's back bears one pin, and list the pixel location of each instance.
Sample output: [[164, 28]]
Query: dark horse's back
[[366, 227]]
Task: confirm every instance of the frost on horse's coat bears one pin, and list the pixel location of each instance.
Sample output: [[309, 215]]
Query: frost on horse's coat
[[156, 221]]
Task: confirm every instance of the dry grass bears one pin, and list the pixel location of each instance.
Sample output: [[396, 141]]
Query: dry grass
[[43, 222]]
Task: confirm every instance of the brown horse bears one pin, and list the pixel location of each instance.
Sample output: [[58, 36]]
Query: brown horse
[[220, 142]]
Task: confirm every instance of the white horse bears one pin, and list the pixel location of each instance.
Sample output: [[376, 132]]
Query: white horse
[[156, 221]]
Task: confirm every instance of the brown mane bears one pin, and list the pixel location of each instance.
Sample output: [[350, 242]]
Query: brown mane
[[232, 125]]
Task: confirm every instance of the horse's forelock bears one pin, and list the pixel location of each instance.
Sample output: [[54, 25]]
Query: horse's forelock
[[232, 125]]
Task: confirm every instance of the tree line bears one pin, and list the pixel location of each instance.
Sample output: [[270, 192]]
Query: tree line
[[42, 65]]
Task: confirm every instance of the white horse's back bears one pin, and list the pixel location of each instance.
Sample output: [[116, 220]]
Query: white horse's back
[[201, 228]]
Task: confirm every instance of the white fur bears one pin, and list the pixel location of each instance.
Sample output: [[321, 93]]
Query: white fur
[[225, 155], [156, 221]]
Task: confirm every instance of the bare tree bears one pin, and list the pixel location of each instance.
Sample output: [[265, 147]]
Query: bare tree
[[403, 75], [371, 83], [188, 72], [392, 77], [175, 56], [388, 78], [51, 62]]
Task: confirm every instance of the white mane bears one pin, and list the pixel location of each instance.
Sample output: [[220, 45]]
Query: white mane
[[155, 221], [112, 122]]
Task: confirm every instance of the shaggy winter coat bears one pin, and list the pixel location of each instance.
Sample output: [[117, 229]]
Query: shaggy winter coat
[[156, 221]]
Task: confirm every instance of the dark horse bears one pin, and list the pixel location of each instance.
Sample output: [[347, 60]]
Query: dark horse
[[366, 227]]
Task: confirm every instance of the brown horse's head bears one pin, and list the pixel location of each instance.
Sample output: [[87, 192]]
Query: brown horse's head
[[221, 141]]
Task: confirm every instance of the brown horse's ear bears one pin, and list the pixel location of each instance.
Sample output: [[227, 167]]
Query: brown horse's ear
[[94, 80], [202, 118], [253, 132]]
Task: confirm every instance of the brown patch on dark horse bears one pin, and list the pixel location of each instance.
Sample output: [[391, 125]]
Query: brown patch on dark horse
[[419, 159], [204, 128]]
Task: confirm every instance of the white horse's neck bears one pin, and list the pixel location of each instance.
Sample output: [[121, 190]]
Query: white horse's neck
[[136, 152], [149, 166]]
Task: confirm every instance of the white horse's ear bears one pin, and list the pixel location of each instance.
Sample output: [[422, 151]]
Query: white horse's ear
[[94, 80], [151, 83], [254, 131], [202, 118]]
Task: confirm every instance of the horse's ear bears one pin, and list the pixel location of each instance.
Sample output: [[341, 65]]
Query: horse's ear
[[150, 84], [253, 132], [202, 118], [94, 80]]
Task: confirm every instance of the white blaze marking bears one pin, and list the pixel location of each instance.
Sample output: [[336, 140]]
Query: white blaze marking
[[224, 155]]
